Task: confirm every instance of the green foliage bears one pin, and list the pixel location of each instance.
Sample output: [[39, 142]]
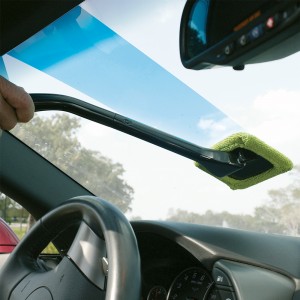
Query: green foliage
[[11, 211], [283, 208], [281, 214], [20, 232], [55, 138], [223, 219]]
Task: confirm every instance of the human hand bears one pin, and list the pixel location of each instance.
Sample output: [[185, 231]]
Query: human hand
[[16, 105]]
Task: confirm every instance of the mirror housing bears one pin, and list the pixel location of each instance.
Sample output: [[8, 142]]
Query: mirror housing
[[238, 32]]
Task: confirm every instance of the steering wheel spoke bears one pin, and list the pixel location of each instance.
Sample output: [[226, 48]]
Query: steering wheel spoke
[[87, 252], [57, 284], [102, 263]]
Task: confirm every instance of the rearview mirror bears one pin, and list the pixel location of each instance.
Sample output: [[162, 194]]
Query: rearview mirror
[[238, 32]]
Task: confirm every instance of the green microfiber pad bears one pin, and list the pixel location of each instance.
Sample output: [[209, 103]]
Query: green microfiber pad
[[280, 162]]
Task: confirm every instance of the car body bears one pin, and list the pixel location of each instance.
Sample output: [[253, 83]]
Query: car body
[[51, 168], [8, 239]]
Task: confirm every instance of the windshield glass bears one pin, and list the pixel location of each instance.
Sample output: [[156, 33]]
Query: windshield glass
[[133, 68]]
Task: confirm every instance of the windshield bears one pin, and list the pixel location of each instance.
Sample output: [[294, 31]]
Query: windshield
[[133, 68]]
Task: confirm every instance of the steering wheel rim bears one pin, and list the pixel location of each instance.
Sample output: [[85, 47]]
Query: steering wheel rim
[[104, 221]]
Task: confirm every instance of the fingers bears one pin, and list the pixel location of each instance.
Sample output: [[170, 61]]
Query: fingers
[[8, 117], [15, 104]]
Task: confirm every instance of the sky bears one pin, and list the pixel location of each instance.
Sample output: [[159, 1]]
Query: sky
[[136, 71], [118, 74]]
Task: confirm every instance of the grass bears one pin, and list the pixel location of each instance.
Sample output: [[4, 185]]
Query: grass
[[20, 232]]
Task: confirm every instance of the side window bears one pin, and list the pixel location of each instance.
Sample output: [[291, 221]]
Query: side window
[[15, 222], [14, 215]]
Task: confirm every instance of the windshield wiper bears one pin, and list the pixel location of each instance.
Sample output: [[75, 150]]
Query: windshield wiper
[[218, 163]]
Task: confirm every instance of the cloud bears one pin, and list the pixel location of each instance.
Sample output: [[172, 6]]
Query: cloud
[[110, 44], [278, 103], [217, 129], [274, 117], [212, 125]]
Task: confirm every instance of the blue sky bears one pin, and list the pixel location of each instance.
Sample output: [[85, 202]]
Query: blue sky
[[2, 68], [82, 52]]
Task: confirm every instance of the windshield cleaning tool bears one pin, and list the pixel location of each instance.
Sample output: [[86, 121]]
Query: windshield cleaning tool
[[231, 159], [260, 160]]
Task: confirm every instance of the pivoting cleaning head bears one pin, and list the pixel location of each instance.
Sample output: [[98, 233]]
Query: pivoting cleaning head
[[260, 161]]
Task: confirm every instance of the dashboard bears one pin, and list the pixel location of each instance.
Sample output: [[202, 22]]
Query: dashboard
[[195, 262], [170, 271], [182, 261], [178, 260]]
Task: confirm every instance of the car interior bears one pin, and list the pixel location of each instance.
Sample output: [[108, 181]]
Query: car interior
[[101, 254]]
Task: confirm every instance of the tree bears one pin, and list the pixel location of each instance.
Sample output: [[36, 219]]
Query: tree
[[224, 219], [280, 214], [282, 211], [55, 138], [11, 211]]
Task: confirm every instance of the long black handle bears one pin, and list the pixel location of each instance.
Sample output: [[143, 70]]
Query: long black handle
[[218, 163]]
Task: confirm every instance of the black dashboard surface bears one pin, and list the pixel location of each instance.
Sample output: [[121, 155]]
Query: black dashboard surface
[[239, 264]]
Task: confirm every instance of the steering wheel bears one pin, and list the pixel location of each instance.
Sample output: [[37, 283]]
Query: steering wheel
[[102, 263]]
